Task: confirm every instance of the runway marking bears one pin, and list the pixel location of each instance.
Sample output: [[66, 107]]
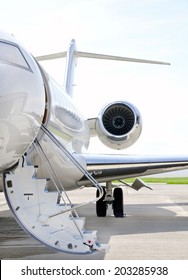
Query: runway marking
[[175, 208]]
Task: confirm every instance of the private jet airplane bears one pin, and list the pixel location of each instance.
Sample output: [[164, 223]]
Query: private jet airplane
[[43, 149]]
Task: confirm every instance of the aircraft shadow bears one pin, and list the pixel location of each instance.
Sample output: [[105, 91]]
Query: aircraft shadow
[[140, 219]]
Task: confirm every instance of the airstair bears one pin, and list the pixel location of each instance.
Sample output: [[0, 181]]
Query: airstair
[[50, 217]]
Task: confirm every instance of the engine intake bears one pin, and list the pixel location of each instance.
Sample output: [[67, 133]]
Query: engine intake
[[119, 125], [118, 119]]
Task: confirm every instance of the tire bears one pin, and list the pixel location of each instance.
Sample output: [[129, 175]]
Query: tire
[[118, 203], [101, 205]]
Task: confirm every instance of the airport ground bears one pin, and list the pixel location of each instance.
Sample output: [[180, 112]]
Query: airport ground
[[155, 227]]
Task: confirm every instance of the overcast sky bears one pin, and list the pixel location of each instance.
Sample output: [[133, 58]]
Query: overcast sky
[[151, 29]]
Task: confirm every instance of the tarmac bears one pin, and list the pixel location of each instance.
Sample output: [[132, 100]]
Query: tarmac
[[155, 228]]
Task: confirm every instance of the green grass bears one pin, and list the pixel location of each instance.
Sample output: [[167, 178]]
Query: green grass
[[165, 180]]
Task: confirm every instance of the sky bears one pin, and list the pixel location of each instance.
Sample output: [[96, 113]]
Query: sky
[[150, 29]]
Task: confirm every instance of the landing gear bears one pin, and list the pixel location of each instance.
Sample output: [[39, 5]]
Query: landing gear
[[118, 203], [101, 205], [115, 199]]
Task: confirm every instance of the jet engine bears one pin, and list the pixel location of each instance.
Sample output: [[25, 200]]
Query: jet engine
[[119, 125]]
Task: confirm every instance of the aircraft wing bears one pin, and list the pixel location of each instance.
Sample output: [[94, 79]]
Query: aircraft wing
[[106, 168]]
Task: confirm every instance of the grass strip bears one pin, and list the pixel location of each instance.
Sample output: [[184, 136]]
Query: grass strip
[[165, 180]]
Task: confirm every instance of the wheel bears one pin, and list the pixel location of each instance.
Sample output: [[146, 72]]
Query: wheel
[[118, 203], [101, 205]]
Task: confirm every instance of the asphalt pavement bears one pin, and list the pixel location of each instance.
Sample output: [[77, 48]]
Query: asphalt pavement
[[155, 227]]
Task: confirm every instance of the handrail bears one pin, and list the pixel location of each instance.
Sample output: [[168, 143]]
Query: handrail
[[78, 165]]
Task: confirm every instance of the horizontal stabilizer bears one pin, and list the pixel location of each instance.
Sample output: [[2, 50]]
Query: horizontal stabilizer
[[118, 58], [98, 56], [51, 56], [72, 54]]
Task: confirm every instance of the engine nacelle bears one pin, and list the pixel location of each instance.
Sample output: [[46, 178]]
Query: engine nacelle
[[119, 125]]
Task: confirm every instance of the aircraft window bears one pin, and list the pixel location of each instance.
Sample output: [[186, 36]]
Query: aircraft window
[[12, 54]]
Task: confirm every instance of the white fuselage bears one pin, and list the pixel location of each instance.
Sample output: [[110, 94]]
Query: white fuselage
[[69, 126], [29, 97]]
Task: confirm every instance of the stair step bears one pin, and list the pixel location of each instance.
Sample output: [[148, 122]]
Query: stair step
[[42, 215], [80, 221], [40, 209]]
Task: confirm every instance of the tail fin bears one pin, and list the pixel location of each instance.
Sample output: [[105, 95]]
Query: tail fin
[[70, 68], [72, 54]]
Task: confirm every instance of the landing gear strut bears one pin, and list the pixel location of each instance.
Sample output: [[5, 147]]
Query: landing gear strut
[[110, 197]]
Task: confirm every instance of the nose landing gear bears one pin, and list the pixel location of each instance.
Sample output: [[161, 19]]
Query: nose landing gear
[[110, 197]]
